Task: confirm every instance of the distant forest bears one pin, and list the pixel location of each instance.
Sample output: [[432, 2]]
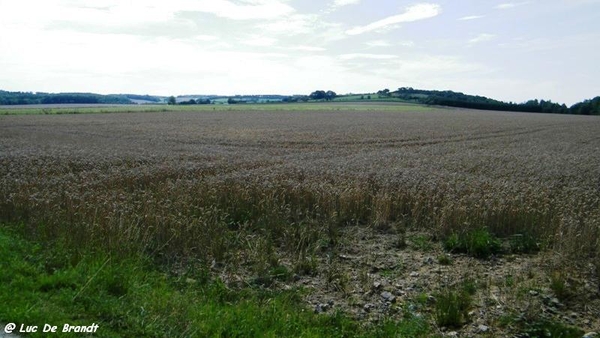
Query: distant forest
[[404, 94], [454, 99], [17, 98]]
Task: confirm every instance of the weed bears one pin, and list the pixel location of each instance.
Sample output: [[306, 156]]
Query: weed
[[451, 308], [445, 260], [422, 298], [536, 327], [306, 266], [400, 229], [524, 243], [478, 243], [335, 277], [469, 286], [558, 285], [422, 242]]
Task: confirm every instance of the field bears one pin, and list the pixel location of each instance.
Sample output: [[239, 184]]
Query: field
[[379, 217]]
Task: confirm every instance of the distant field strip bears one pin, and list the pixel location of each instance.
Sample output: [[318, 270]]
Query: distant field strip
[[109, 109]]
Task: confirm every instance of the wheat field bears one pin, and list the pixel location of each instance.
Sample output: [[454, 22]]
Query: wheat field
[[152, 176]]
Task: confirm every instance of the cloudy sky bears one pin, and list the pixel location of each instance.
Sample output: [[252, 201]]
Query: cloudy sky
[[514, 51]]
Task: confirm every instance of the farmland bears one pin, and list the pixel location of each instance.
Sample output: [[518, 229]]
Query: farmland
[[362, 208]]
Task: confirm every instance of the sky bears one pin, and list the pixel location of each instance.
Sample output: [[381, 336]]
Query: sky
[[512, 51]]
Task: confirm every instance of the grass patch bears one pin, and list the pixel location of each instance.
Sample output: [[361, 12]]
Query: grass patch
[[451, 308], [524, 243], [546, 328], [538, 327], [559, 286], [445, 260], [132, 298], [479, 243], [422, 243], [325, 106]]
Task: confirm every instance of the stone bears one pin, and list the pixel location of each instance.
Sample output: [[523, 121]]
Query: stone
[[533, 293], [376, 285], [367, 307], [483, 328], [452, 334], [414, 274], [590, 335], [320, 308], [388, 297]]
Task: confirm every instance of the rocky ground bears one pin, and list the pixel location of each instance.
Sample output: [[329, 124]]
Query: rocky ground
[[372, 277]]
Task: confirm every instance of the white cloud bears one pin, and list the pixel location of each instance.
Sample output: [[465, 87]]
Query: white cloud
[[482, 38], [386, 43], [509, 5], [292, 25], [353, 56], [407, 43], [308, 48], [341, 3], [412, 13], [230, 10], [471, 17], [378, 43]]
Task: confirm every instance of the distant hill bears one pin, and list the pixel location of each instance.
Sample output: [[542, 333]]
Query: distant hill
[[457, 99]]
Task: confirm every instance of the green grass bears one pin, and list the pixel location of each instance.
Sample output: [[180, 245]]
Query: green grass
[[451, 308], [478, 243], [133, 298], [559, 286], [524, 243], [422, 243], [445, 260], [538, 327], [27, 110]]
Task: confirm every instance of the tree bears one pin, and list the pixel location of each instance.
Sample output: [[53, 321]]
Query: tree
[[384, 92], [191, 101], [171, 100], [322, 95], [330, 95], [318, 95]]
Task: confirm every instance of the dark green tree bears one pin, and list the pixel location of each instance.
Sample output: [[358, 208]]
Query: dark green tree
[[330, 95], [171, 100]]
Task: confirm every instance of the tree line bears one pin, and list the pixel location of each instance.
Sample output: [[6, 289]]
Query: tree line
[[16, 98], [457, 99]]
